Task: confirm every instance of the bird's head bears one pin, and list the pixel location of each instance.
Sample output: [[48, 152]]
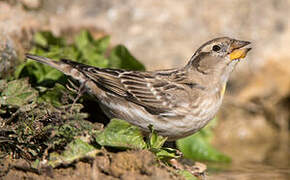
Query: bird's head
[[218, 56]]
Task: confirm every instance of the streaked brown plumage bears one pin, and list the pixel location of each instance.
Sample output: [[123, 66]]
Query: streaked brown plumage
[[177, 102]]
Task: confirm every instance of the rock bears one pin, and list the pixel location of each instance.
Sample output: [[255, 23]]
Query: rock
[[8, 56], [31, 4]]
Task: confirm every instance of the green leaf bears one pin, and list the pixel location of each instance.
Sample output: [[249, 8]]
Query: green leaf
[[18, 70], [120, 133], [166, 154], [53, 95], [84, 50], [2, 111], [65, 52], [91, 57], [198, 148], [102, 44], [187, 175], [67, 132], [35, 164], [92, 50], [155, 141], [83, 39], [155, 145], [75, 150], [55, 49], [40, 39], [18, 93], [120, 57], [50, 74], [45, 38], [38, 73]]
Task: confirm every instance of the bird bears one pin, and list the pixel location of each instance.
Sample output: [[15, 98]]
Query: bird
[[176, 102]]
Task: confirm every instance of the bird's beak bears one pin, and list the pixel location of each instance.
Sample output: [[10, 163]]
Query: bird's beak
[[236, 50]]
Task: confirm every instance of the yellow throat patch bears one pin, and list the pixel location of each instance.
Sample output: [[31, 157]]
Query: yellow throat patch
[[223, 90]]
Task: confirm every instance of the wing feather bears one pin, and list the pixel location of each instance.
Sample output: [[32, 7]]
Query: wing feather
[[161, 92], [142, 88]]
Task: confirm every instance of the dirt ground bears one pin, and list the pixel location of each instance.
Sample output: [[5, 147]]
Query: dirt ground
[[124, 165]]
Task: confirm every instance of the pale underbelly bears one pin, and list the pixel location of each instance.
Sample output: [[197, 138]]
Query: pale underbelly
[[171, 127]]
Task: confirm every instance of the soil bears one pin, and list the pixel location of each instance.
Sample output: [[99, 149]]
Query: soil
[[129, 165]]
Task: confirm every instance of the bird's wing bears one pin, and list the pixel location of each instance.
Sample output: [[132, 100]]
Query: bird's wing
[[157, 93], [158, 96]]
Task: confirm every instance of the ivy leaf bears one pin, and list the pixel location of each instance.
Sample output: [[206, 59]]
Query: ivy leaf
[[45, 38], [155, 141], [83, 39], [38, 73], [18, 93], [166, 154], [91, 57], [120, 57], [120, 133], [53, 95], [92, 51], [155, 145], [102, 44], [75, 150], [187, 175]]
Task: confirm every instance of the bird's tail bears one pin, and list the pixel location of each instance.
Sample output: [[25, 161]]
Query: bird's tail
[[68, 67]]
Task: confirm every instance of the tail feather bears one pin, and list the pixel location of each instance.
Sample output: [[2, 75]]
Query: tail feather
[[66, 66], [45, 60]]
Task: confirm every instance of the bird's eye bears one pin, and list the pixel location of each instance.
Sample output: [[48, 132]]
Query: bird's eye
[[216, 48]]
